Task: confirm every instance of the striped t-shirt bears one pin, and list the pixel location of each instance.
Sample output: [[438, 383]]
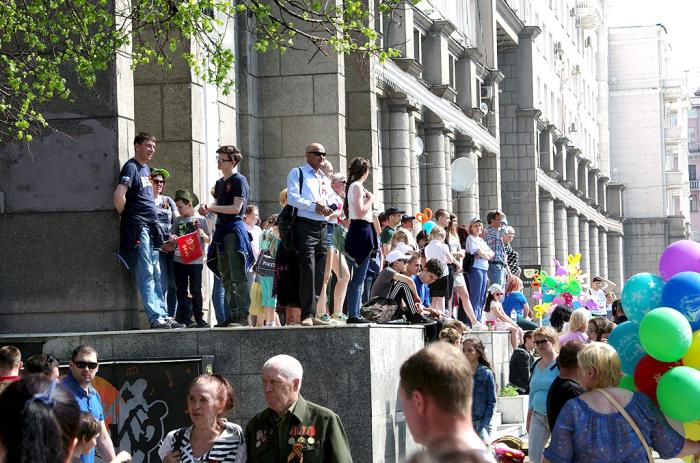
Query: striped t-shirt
[[229, 447]]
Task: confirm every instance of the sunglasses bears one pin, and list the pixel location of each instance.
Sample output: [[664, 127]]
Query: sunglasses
[[80, 364], [317, 153], [223, 160], [158, 182], [541, 341]]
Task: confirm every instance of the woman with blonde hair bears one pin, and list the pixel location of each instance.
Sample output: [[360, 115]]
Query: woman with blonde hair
[[544, 372], [515, 300], [578, 327], [592, 427], [399, 236]]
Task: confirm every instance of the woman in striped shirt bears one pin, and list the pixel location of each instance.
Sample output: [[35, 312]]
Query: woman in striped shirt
[[211, 437]]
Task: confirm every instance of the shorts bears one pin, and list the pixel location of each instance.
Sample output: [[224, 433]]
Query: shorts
[[439, 287], [330, 229], [460, 281], [268, 300]]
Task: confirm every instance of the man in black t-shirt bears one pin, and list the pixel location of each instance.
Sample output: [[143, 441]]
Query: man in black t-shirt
[[565, 386], [140, 237], [231, 238]]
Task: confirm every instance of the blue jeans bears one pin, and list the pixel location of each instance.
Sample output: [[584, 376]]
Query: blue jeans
[[147, 273], [356, 285], [477, 290], [218, 298], [371, 275], [167, 281], [497, 274]]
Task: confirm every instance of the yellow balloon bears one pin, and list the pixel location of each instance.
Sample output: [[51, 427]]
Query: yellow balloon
[[692, 432], [692, 358], [541, 309]]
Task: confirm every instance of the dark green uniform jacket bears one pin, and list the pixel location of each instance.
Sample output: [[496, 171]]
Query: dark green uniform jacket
[[308, 430]]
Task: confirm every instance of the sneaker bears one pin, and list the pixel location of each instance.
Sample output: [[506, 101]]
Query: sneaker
[[319, 321], [308, 321], [192, 325], [341, 317], [357, 320], [174, 324], [327, 318], [480, 327], [237, 322], [161, 324], [202, 324], [419, 319]]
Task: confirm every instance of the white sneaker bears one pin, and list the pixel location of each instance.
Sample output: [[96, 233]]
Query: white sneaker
[[478, 326]]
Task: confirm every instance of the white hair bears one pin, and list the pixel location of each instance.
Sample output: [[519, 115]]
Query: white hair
[[286, 365]]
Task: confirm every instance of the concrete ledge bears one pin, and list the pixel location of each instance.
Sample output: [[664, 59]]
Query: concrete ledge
[[353, 370]]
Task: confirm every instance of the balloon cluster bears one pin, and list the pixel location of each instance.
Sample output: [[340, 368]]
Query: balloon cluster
[[564, 287], [425, 218], [659, 347]]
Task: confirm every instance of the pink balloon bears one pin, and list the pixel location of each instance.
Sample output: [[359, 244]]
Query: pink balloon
[[681, 256]]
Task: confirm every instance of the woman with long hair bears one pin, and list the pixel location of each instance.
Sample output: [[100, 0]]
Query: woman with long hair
[[460, 283], [484, 389], [40, 421], [361, 240], [211, 437], [544, 372], [166, 213], [590, 427], [493, 312], [477, 247]]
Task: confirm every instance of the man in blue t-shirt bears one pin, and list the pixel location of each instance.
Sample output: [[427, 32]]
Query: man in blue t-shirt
[[83, 367], [140, 238], [231, 241]]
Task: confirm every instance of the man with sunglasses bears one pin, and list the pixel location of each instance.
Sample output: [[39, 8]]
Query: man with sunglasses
[[83, 367], [308, 190]]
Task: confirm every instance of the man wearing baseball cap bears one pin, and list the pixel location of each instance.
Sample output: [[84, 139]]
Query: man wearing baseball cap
[[393, 219], [407, 226], [392, 284]]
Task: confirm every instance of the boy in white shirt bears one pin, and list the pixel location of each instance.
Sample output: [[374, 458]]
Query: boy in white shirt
[[437, 249]]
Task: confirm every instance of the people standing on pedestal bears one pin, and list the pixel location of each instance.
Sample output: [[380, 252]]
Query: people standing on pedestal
[[308, 190], [140, 237], [495, 232], [393, 219], [511, 254], [166, 211], [477, 247], [231, 239]]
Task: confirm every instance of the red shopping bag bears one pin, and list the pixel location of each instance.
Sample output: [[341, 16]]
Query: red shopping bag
[[189, 247]]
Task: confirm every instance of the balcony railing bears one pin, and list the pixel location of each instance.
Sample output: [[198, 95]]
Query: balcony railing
[[588, 14], [695, 184], [672, 135]]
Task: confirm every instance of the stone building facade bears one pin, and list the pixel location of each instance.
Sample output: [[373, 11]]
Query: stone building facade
[[518, 89], [648, 128]]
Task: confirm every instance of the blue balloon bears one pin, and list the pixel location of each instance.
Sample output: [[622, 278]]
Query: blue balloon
[[642, 293], [428, 226], [625, 339], [682, 292]]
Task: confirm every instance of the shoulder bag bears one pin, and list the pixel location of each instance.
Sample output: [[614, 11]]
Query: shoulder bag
[[629, 419], [286, 218]]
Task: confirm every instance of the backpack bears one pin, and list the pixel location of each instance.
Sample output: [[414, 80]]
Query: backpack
[[286, 219]]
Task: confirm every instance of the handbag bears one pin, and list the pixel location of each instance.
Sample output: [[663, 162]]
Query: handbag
[[629, 419], [265, 265], [286, 218]]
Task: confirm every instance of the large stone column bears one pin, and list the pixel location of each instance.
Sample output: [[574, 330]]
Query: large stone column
[[398, 190], [466, 203], [616, 272], [435, 168], [572, 226], [594, 251], [547, 248], [560, 232], [489, 182], [584, 246], [603, 253], [415, 165]]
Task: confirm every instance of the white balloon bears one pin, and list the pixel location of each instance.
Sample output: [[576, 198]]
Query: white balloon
[[463, 173], [418, 146]]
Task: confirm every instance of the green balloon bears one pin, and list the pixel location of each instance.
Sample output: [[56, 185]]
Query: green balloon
[[627, 382], [550, 282], [678, 393], [574, 287], [665, 334]]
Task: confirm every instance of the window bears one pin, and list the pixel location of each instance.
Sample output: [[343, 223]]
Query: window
[[693, 203], [693, 113], [692, 172], [417, 45], [691, 134], [452, 71]]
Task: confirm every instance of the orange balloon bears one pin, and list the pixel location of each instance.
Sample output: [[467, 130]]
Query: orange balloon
[[428, 213], [420, 217]]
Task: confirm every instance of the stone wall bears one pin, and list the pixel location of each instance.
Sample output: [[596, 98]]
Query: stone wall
[[352, 370], [645, 241], [498, 352]]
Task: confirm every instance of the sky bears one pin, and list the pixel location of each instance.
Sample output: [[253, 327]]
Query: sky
[[682, 21]]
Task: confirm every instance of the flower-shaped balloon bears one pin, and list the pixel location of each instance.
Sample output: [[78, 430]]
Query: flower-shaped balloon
[[568, 298], [540, 310], [537, 295], [560, 269]]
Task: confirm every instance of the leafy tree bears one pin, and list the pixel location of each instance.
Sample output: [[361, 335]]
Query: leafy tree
[[44, 41]]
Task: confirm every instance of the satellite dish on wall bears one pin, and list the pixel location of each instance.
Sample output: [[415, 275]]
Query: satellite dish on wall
[[484, 107], [418, 146], [463, 172]]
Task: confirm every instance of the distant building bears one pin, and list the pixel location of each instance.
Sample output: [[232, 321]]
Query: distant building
[[649, 149], [694, 163]]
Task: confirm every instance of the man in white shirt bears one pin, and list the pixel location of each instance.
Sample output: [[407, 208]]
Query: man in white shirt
[[309, 229]]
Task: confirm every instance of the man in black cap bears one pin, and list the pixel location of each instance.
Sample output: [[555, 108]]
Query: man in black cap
[[407, 225], [393, 217]]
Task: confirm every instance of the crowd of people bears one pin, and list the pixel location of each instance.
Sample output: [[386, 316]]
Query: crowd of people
[[327, 257]]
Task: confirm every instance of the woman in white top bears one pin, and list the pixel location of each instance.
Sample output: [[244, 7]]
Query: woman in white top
[[477, 247], [460, 283], [211, 437], [493, 312], [437, 249], [361, 240]]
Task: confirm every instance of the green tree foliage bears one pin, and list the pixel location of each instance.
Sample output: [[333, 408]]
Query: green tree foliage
[[42, 42]]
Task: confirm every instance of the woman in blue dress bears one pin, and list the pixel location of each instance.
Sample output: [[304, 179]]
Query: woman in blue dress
[[590, 428]]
